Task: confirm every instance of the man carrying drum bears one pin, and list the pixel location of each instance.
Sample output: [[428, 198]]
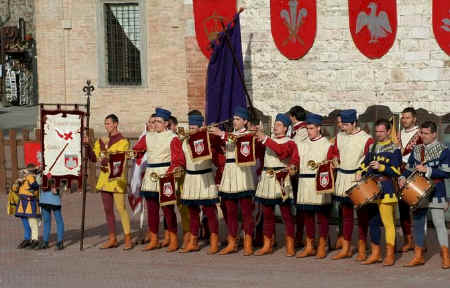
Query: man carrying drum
[[274, 188], [350, 149], [432, 159], [309, 201], [409, 137], [164, 154], [382, 163]]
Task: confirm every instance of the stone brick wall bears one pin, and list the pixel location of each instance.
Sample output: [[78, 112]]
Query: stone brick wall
[[18, 9], [335, 75]]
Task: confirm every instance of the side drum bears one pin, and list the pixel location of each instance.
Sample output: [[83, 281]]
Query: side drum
[[416, 190], [364, 192]]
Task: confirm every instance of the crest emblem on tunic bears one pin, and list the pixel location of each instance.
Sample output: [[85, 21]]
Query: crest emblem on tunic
[[167, 189], [245, 148], [71, 161], [199, 146], [117, 165], [324, 179]]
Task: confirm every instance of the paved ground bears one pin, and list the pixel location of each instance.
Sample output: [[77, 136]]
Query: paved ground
[[115, 268]]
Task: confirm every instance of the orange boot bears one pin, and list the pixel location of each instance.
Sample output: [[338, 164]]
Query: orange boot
[[267, 247], [173, 242], [339, 242], [418, 258], [322, 248], [309, 249], [186, 239], [231, 246], [375, 255], [409, 244], [192, 244], [445, 258], [361, 251], [213, 244], [154, 242], [290, 246], [111, 243], [345, 251], [166, 239], [389, 259], [128, 242], [248, 247]]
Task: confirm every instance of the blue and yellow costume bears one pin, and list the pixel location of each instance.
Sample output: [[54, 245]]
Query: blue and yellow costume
[[389, 157]]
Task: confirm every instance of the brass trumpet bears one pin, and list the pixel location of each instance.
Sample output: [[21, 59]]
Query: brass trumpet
[[273, 173], [313, 165], [129, 154], [177, 173]]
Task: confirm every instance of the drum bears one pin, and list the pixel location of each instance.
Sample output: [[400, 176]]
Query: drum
[[364, 192], [416, 190]]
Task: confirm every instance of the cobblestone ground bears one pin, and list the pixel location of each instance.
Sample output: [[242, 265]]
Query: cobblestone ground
[[115, 268]]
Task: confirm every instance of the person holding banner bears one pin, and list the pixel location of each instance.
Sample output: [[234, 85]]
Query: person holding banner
[[164, 157], [237, 185], [199, 189], [274, 188], [349, 149], [112, 181], [382, 163], [314, 196], [432, 159]]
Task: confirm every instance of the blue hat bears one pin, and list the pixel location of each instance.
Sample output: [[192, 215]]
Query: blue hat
[[283, 119], [241, 112], [196, 120], [348, 116], [315, 119], [163, 113]]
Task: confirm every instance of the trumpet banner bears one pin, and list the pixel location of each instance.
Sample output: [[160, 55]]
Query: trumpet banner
[[325, 178]]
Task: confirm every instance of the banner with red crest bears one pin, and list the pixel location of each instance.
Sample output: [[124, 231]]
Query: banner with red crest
[[245, 150], [441, 24], [294, 26], [209, 15], [325, 178], [199, 146], [373, 25], [167, 192]]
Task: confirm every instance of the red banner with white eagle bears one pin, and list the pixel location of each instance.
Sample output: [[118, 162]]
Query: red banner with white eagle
[[199, 146], [245, 150], [441, 23], [209, 15], [294, 26], [373, 25]]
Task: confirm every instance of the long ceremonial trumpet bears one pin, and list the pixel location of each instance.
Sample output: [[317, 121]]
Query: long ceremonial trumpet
[[177, 173], [313, 165], [273, 172]]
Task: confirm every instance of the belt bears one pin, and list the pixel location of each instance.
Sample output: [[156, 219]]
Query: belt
[[273, 168], [197, 172], [345, 171], [231, 161], [435, 181], [306, 175], [157, 165]]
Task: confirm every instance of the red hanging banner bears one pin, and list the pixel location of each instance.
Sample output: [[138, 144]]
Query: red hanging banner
[[373, 25], [441, 23], [294, 26], [208, 15]]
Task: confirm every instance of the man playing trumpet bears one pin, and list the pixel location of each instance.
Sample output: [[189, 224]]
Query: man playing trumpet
[[164, 155], [275, 188], [312, 152]]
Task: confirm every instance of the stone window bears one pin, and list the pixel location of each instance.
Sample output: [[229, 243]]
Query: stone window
[[120, 43]]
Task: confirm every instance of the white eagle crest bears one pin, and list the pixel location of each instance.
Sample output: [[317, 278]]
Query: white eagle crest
[[377, 24]]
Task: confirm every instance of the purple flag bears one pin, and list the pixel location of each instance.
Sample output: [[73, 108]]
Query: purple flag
[[224, 90]]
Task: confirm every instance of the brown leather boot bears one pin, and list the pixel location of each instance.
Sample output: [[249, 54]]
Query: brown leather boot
[[445, 258], [418, 258], [231, 246], [290, 248], [345, 251], [192, 244], [267, 247], [213, 244], [361, 251], [409, 244], [111, 243], [173, 242], [389, 258], [166, 239], [375, 255], [154, 242], [248, 247], [128, 242], [309, 249], [322, 248], [339, 242], [186, 239]]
